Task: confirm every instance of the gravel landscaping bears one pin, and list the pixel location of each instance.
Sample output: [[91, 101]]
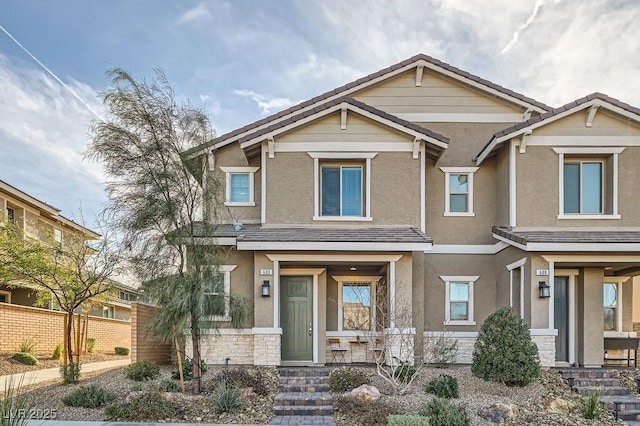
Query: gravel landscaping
[[9, 366]]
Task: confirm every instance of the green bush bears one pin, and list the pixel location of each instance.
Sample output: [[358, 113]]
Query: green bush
[[591, 407], [88, 397], [187, 369], [443, 387], [346, 379], [504, 351], [13, 403], [407, 420], [70, 373], [122, 350], [442, 412], [370, 413], [25, 358], [142, 370], [28, 346], [227, 399], [91, 344], [404, 371], [57, 352], [149, 407], [137, 387], [168, 385]]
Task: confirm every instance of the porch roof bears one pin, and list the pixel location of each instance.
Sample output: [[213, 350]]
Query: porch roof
[[563, 240], [255, 237]]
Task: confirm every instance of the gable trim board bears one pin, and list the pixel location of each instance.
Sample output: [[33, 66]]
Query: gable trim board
[[420, 60], [570, 241], [600, 100]]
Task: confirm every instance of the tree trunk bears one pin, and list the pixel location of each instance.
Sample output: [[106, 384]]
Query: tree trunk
[[195, 342], [68, 338]]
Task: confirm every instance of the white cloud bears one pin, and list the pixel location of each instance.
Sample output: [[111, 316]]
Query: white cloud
[[267, 105], [523, 27], [197, 13]]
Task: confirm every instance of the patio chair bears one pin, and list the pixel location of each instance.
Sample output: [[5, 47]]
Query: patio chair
[[338, 352]]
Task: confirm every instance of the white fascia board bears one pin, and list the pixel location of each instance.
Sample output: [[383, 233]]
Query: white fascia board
[[331, 246], [595, 141], [343, 146], [485, 152], [596, 247], [588, 150], [508, 241], [469, 248]]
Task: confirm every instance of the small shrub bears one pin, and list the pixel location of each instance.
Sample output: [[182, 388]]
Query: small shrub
[[150, 406], [70, 373], [137, 387], [142, 370], [370, 413], [404, 372], [25, 358], [88, 397], [226, 399], [443, 387], [187, 369], [168, 385], [28, 346], [122, 350], [440, 349], [244, 378], [91, 344], [591, 407], [407, 420], [442, 412], [57, 352], [504, 351], [13, 403], [346, 379]]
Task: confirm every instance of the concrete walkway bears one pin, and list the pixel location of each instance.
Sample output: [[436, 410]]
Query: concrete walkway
[[39, 376]]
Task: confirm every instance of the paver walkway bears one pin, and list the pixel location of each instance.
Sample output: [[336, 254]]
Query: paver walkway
[[39, 376]]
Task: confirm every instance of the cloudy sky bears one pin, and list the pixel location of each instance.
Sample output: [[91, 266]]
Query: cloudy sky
[[243, 59]]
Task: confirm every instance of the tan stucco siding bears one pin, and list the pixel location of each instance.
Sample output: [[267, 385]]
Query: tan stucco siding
[[290, 188], [503, 286], [538, 185], [242, 277], [604, 124], [437, 94], [502, 204], [437, 265]]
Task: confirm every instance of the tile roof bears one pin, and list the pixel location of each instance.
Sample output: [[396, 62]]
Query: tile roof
[[604, 237], [350, 101], [256, 233], [420, 57]]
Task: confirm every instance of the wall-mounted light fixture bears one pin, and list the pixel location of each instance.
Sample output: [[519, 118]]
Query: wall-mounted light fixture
[[544, 289], [266, 288]]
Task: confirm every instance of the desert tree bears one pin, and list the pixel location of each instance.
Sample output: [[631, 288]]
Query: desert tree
[[157, 204], [70, 275]]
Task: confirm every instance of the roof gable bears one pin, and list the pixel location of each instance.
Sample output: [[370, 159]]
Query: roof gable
[[415, 62], [593, 102]]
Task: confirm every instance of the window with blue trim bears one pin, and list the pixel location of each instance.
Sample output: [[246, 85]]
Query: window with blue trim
[[342, 190], [240, 188]]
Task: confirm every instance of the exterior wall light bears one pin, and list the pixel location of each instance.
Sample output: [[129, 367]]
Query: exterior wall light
[[544, 289], [266, 288]]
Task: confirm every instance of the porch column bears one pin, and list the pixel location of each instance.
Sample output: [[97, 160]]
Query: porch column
[[590, 317]]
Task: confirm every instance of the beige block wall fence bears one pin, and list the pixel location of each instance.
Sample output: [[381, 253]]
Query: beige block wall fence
[[46, 327], [144, 347]]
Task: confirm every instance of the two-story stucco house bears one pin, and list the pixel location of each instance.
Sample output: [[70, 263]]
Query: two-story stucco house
[[444, 193]]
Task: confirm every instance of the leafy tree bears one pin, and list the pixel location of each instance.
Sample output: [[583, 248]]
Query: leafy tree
[[70, 275], [504, 351], [157, 205]]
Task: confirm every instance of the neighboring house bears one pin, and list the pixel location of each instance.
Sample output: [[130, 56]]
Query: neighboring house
[[438, 194], [40, 221]]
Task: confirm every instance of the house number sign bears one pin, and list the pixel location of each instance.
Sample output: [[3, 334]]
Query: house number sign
[[266, 271], [542, 272]]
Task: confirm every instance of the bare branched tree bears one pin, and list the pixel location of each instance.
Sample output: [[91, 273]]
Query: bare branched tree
[[157, 204]]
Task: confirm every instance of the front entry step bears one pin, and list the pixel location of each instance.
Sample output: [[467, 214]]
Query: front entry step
[[304, 397]]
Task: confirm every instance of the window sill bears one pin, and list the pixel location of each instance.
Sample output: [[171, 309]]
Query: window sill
[[459, 323], [239, 203], [218, 318], [344, 218], [588, 216], [467, 214]]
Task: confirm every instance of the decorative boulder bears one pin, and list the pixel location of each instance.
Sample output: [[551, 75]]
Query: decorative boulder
[[497, 412], [560, 406], [248, 393], [365, 393]]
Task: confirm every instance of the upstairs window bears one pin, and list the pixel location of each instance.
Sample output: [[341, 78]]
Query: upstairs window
[[583, 187], [240, 187], [342, 190], [458, 191], [57, 235], [108, 312], [11, 215]]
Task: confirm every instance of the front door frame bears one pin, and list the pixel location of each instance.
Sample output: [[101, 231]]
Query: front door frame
[[315, 273], [571, 275]]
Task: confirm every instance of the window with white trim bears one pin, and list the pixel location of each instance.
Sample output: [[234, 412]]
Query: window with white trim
[[5, 296], [57, 235], [240, 186], [611, 305], [459, 299], [217, 286], [342, 186], [588, 183], [356, 299], [458, 191], [11, 214], [108, 312]]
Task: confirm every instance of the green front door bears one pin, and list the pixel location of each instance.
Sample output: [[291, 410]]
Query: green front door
[[296, 307]]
